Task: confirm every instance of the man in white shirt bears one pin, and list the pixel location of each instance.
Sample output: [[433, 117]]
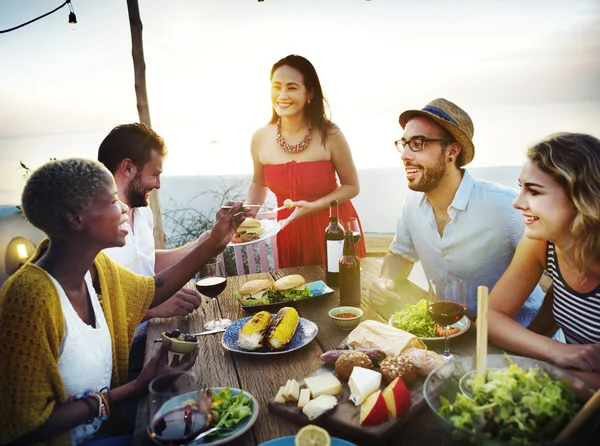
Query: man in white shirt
[[455, 225], [134, 154]]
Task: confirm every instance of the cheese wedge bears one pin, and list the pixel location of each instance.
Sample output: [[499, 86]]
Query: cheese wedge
[[304, 398], [363, 382], [323, 384], [292, 390], [279, 397], [319, 406]]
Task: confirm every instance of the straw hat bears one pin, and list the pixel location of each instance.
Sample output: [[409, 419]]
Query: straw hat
[[454, 119]]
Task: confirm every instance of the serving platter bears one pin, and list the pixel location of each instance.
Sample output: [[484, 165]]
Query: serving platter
[[271, 228], [463, 324], [305, 332], [317, 289]]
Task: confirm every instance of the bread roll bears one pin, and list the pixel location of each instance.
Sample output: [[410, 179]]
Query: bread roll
[[347, 361], [396, 366]]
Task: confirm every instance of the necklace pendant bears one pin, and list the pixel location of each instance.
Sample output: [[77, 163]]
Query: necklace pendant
[[294, 148]]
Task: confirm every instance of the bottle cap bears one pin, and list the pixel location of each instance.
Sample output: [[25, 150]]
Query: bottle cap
[[333, 203]]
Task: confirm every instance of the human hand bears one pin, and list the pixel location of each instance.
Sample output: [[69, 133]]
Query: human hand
[[159, 364], [585, 357], [182, 303], [302, 209], [382, 293], [227, 221]]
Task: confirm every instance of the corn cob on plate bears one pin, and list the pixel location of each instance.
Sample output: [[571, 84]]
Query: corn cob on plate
[[305, 332]]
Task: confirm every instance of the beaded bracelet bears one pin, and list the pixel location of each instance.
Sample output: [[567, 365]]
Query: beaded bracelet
[[101, 408], [106, 405]]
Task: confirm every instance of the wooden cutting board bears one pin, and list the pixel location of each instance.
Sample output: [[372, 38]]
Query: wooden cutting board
[[344, 419]]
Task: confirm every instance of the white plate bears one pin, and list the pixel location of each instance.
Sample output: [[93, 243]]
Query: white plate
[[463, 324], [271, 227]]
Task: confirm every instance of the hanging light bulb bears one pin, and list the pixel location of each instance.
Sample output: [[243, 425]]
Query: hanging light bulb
[[72, 18]]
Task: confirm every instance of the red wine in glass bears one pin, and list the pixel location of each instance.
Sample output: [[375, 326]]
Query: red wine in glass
[[179, 426], [446, 313], [356, 236], [211, 286]]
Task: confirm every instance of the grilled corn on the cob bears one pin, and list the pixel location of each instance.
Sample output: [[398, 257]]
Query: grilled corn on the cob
[[252, 335], [283, 327]]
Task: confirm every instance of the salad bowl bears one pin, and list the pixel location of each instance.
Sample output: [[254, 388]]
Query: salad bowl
[[472, 420]]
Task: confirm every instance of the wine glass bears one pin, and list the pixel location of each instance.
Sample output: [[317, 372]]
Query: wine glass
[[178, 409], [211, 280], [351, 224], [448, 305]]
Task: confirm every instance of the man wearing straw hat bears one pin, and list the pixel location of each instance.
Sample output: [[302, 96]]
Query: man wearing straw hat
[[455, 225]]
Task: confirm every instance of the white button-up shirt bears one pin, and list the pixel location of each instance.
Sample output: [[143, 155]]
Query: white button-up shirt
[[477, 244]]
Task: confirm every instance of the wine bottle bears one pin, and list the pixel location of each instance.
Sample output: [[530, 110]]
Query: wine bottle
[[334, 245], [349, 266]]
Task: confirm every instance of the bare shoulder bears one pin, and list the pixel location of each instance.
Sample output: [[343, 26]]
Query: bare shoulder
[[260, 136], [533, 249], [333, 129]]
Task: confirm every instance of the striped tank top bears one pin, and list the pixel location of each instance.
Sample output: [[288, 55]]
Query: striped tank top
[[578, 314]]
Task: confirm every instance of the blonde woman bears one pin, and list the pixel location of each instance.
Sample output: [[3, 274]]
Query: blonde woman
[[560, 201]]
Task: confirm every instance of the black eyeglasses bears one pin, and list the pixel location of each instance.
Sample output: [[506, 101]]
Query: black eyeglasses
[[416, 144]]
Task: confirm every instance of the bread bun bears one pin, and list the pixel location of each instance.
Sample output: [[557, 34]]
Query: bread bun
[[396, 366], [289, 282], [254, 286], [347, 361]]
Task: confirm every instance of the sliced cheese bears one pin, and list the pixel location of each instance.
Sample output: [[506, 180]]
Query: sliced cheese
[[319, 406], [292, 390], [363, 382], [323, 384], [279, 397], [304, 398]]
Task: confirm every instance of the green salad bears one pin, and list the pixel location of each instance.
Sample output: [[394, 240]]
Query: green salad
[[415, 320], [514, 405], [229, 410]]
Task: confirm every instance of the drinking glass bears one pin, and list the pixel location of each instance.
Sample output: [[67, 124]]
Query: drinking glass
[[448, 305], [351, 224], [211, 280], [178, 410]]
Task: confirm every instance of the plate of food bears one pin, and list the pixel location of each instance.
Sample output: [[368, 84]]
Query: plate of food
[[231, 409], [269, 334], [415, 319], [252, 231], [265, 293]]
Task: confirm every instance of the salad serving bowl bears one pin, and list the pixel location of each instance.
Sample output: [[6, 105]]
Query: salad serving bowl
[[445, 397]]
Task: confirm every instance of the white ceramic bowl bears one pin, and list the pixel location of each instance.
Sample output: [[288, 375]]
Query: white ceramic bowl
[[346, 323]]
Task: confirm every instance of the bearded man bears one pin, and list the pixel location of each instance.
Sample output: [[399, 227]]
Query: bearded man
[[455, 225]]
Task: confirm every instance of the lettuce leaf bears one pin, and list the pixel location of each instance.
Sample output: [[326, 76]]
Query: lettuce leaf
[[415, 320], [294, 294]]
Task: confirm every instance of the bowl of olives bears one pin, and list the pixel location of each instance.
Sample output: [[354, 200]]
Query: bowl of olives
[[181, 343]]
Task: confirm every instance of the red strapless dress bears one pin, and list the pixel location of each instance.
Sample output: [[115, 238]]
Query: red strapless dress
[[302, 242]]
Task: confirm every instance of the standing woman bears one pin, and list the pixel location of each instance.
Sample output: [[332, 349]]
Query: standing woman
[[560, 201], [297, 155]]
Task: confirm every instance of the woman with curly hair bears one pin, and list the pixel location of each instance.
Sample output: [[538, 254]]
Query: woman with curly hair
[[560, 201], [68, 316]]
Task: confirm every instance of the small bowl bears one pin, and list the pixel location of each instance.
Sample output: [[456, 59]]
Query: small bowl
[[346, 323], [181, 347]]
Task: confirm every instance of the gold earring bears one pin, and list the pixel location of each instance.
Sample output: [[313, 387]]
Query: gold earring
[[450, 159]]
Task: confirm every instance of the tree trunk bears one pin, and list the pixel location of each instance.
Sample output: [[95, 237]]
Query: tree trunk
[[139, 68]]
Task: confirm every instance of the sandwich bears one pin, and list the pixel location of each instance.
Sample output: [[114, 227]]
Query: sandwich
[[255, 292], [291, 287], [249, 230]]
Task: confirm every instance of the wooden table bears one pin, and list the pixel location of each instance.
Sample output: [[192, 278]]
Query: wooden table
[[263, 375]]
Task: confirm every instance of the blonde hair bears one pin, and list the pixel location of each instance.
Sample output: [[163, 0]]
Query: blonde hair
[[57, 187], [573, 161]]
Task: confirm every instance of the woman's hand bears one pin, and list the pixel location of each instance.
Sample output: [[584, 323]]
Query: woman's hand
[[159, 364], [302, 209], [585, 357]]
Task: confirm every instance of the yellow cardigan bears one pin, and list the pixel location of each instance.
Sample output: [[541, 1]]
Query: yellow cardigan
[[32, 330]]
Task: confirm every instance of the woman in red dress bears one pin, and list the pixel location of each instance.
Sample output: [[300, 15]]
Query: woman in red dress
[[300, 154]]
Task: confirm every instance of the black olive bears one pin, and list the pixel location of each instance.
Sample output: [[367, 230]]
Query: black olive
[[190, 338], [173, 333]]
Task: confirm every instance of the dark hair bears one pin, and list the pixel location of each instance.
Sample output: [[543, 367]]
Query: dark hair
[[318, 110], [573, 161], [57, 187], [134, 141]]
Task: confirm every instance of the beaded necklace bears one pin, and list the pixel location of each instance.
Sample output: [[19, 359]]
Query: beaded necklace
[[294, 148]]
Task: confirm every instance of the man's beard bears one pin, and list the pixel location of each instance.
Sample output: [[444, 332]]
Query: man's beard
[[430, 176], [136, 193]]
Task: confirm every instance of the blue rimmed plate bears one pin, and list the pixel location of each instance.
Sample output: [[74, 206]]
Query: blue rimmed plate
[[317, 288], [289, 441], [214, 440], [306, 332]]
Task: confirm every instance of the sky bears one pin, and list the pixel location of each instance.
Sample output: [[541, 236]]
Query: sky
[[521, 68]]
